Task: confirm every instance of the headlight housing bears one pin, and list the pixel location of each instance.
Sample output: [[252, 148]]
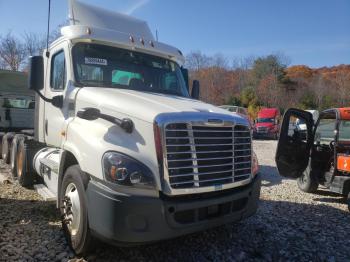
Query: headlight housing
[[124, 170]]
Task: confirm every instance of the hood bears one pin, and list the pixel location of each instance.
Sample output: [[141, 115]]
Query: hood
[[142, 105]]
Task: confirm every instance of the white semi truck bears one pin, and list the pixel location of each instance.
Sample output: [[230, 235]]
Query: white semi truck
[[130, 156]]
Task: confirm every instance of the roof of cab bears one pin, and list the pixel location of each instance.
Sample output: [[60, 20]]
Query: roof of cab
[[95, 24]]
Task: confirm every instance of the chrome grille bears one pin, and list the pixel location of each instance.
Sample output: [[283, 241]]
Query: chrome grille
[[201, 155]]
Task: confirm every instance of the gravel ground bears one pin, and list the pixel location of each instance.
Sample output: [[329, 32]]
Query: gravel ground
[[289, 226]]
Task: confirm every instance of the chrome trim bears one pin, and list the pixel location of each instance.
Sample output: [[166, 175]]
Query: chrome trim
[[200, 119]]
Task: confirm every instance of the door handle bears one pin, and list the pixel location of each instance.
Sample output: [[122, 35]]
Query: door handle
[[46, 124]]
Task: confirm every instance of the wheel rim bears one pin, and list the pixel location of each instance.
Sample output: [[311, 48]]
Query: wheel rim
[[19, 163], [71, 209]]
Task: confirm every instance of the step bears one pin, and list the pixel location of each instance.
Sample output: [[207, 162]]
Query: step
[[44, 192]]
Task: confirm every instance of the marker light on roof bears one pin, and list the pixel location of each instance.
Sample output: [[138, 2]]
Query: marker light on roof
[[131, 39], [88, 31], [151, 43]]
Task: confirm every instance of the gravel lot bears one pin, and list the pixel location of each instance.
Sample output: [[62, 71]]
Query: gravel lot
[[289, 226]]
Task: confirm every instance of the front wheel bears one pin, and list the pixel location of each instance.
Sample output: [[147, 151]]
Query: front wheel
[[308, 182], [348, 201], [73, 208]]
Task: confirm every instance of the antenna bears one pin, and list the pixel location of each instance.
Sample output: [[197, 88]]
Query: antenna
[[157, 35], [48, 30]]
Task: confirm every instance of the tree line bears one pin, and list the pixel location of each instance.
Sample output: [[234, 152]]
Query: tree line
[[252, 82], [268, 81], [15, 50]]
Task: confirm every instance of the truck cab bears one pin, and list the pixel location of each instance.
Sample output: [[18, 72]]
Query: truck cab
[[318, 154], [129, 154], [267, 123]]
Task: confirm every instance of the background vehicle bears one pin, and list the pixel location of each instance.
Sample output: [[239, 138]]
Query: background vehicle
[[130, 156], [322, 155], [267, 123], [16, 102], [239, 110], [236, 109]]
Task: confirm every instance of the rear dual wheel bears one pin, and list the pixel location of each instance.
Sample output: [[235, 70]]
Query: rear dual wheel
[[13, 154], [6, 146], [27, 148]]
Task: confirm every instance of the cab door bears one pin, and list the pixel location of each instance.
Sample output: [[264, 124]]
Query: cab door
[[56, 82], [294, 145]]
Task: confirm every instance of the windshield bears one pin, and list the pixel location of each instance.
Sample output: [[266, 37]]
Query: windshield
[[20, 103], [265, 120], [105, 66]]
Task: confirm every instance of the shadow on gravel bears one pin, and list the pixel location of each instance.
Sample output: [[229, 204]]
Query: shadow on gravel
[[279, 231], [270, 175], [31, 231], [329, 197]]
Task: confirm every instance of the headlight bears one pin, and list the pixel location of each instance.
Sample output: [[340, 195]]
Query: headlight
[[124, 170], [255, 164]]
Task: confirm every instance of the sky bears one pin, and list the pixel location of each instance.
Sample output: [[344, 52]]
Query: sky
[[311, 32]]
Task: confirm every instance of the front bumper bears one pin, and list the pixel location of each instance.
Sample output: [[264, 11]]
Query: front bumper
[[126, 220], [264, 134]]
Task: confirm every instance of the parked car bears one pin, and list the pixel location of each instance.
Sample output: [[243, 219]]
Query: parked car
[[318, 155], [267, 123], [236, 109]]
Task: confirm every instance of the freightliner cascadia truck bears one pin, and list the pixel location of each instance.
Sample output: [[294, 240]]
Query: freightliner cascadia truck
[[129, 154]]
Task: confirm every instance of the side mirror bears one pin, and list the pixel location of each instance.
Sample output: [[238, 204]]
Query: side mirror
[[57, 101], [195, 89], [89, 113], [185, 75], [36, 73]]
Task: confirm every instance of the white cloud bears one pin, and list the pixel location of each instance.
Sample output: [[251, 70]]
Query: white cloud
[[138, 4]]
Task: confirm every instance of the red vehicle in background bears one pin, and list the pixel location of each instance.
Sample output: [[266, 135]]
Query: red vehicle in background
[[267, 124]]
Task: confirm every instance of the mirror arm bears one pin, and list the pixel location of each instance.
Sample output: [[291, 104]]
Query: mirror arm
[[48, 100], [126, 123]]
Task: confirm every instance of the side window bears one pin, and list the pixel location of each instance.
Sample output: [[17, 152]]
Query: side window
[[58, 71], [325, 130]]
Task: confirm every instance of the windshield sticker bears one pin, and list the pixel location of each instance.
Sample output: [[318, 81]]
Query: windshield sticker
[[95, 61]]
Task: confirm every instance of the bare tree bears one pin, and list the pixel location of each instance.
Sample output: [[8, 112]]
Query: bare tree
[[342, 81], [12, 53], [33, 44], [196, 61]]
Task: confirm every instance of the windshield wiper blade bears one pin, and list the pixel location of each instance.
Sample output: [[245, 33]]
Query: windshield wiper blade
[[98, 82]]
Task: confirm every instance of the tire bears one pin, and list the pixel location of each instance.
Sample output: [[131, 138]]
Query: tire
[[348, 201], [72, 201], [1, 137], [6, 147], [13, 155], [308, 182], [24, 158]]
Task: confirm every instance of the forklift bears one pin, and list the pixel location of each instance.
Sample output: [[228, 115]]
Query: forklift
[[319, 154]]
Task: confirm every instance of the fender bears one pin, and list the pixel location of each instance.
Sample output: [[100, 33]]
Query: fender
[[67, 159]]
